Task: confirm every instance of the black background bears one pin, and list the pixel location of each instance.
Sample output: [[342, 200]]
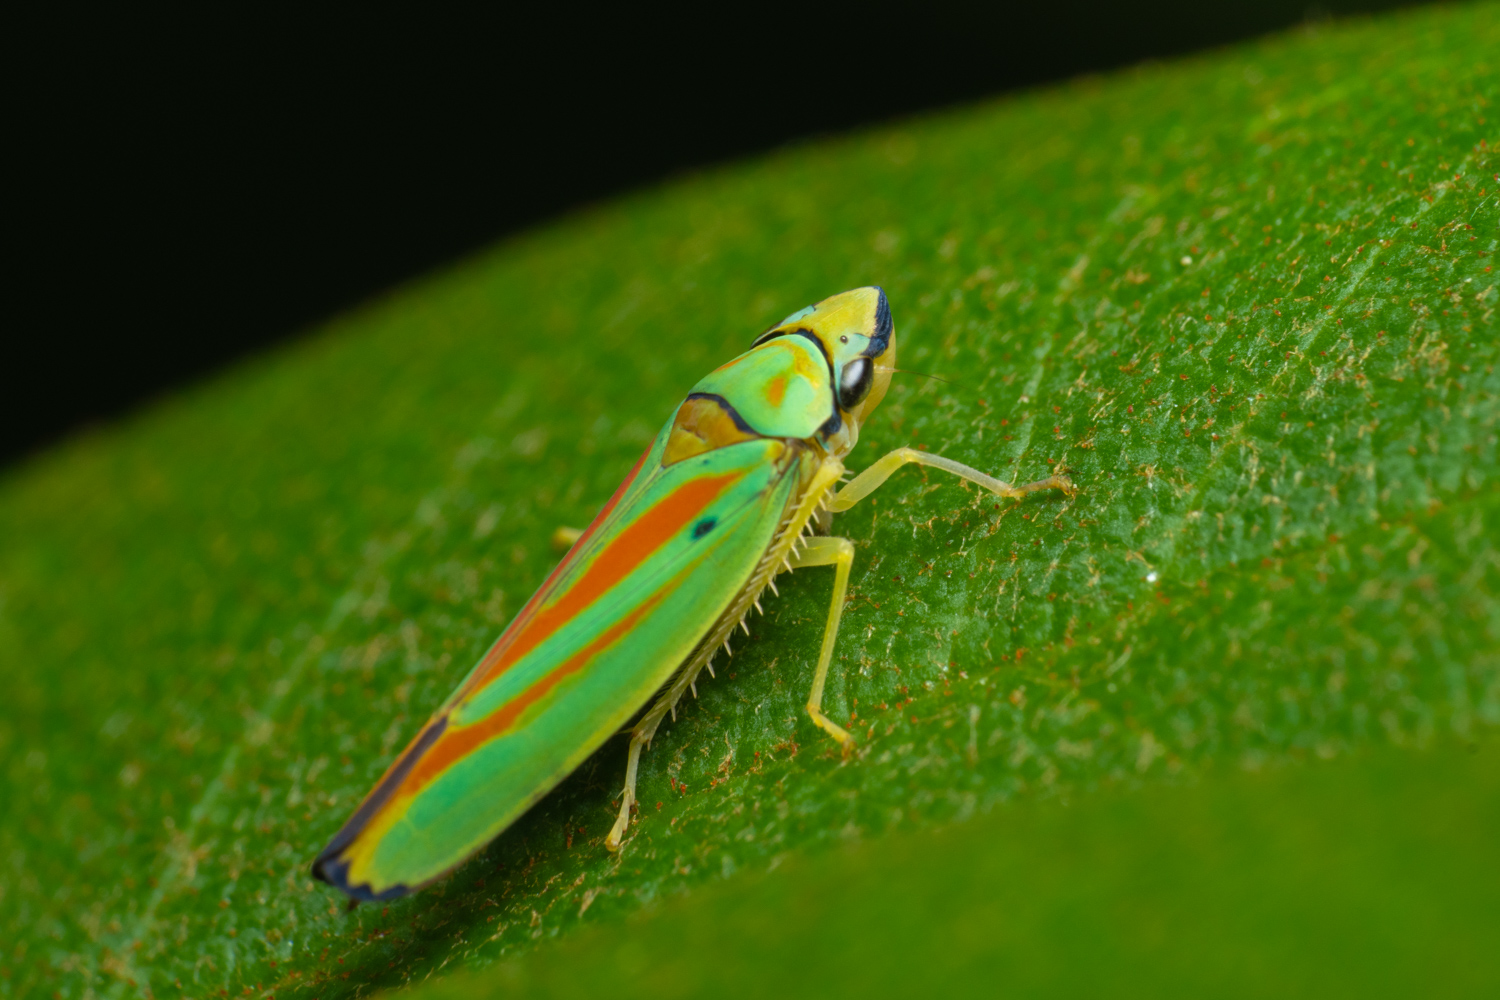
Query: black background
[[196, 184]]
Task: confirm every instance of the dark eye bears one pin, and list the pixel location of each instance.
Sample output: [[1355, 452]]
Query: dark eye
[[854, 384]]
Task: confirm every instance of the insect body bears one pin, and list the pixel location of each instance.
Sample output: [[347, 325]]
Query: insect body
[[651, 591]]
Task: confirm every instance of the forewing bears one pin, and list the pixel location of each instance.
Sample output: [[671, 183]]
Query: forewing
[[623, 611]]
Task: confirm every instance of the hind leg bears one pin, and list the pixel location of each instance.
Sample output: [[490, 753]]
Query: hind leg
[[838, 553], [616, 836], [640, 738]]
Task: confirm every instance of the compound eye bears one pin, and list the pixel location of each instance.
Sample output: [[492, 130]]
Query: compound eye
[[855, 382]]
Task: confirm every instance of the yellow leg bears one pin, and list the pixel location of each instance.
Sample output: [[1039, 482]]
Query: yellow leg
[[627, 799], [838, 553], [564, 537], [817, 551], [869, 480]]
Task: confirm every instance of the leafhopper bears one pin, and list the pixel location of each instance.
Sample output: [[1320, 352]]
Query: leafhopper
[[723, 500]]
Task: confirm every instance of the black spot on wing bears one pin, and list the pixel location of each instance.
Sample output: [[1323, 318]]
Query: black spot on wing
[[704, 526]]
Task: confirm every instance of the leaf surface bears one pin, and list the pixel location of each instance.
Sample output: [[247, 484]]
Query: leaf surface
[[1248, 299]]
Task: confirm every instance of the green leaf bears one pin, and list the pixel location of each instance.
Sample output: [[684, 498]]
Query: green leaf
[[1368, 878], [1248, 299]]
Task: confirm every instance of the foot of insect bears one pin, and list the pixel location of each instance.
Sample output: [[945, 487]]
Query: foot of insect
[[1059, 481], [616, 838], [627, 798], [846, 742]]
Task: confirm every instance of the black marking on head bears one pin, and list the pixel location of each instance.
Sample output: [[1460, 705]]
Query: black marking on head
[[772, 334], [704, 526], [817, 341], [329, 866], [880, 338], [832, 425], [724, 404]]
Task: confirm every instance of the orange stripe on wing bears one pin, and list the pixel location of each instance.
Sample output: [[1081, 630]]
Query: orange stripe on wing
[[458, 743], [524, 616], [398, 777], [594, 524], [635, 543]]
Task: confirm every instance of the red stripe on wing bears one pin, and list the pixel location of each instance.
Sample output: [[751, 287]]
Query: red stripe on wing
[[633, 546], [455, 744], [523, 618]]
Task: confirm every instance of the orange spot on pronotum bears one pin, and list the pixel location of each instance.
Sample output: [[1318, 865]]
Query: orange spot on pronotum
[[776, 390]]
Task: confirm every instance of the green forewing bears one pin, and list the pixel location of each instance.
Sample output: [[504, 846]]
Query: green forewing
[[624, 610]]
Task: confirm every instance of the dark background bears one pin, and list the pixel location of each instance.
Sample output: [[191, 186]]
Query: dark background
[[194, 185]]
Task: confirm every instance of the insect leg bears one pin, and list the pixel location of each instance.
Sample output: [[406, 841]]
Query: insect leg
[[563, 538], [640, 736], [869, 480], [838, 553], [627, 798]]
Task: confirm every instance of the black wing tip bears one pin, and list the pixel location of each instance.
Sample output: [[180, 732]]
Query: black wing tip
[[328, 867]]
